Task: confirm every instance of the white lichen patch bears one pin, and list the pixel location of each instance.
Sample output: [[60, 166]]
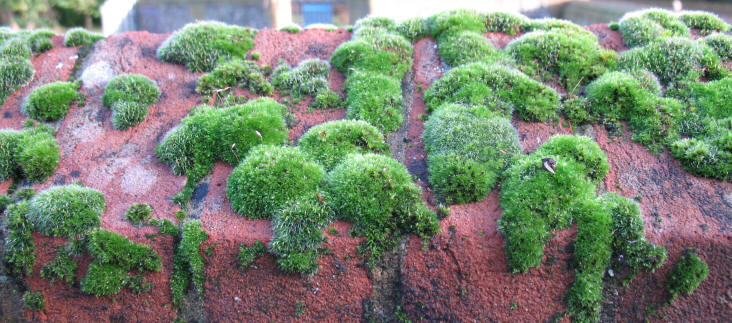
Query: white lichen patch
[[97, 75], [137, 180]]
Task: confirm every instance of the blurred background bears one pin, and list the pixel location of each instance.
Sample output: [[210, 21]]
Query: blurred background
[[161, 16]]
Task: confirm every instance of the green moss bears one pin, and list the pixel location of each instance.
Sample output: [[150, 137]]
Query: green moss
[[592, 251], [630, 248], [37, 155], [50, 102], [233, 73], [330, 142], [580, 148], [533, 100], [712, 99], [139, 285], [674, 60], [40, 40], [62, 268], [309, 77], [298, 233], [34, 301], [292, 29], [721, 44], [705, 22], [504, 22], [639, 31], [384, 53], [576, 110], [326, 100], [467, 152], [247, 255], [138, 213], [14, 73], [19, 246], [576, 57], [413, 29], [189, 250], [454, 21], [130, 88], [15, 48], [703, 157], [127, 114], [466, 47], [66, 211], [111, 248], [554, 24], [377, 194], [376, 22], [201, 45], [686, 275], [25, 193], [269, 177], [5, 200], [165, 226], [103, 279], [375, 98], [80, 37], [209, 134]]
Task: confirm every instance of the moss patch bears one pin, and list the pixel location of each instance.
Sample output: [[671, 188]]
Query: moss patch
[[138, 213], [310, 77], [233, 73], [129, 96], [188, 262], [330, 142], [50, 102], [80, 37], [686, 275], [19, 246], [705, 22], [66, 211], [31, 154]]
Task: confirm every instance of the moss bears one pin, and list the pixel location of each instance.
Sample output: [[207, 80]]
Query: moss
[[298, 233], [413, 29], [577, 58], [268, 178], [62, 268], [326, 27], [377, 194], [32, 153], [19, 246], [466, 47], [234, 73], [165, 226], [554, 24], [330, 142], [592, 251], [130, 88], [705, 22], [5, 200], [674, 60], [66, 211], [384, 53], [25, 193], [201, 45], [80, 37], [467, 152], [376, 22], [375, 98], [14, 73], [576, 110], [580, 148], [34, 301], [50, 102], [639, 31], [103, 279], [326, 100], [454, 21], [138, 213], [209, 134], [247, 255], [721, 44], [532, 100], [630, 247], [686, 275], [504, 22], [703, 157], [139, 285], [40, 40], [712, 99], [189, 251], [15, 48], [292, 29], [309, 77], [111, 248], [255, 55]]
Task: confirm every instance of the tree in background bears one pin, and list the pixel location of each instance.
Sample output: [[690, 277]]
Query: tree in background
[[49, 13]]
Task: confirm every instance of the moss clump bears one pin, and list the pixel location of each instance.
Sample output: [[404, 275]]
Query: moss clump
[[111, 248], [5, 200], [138, 213], [642, 27], [298, 233], [580, 148], [705, 22], [413, 29], [247, 255], [209, 134], [454, 21], [80, 37], [292, 29], [708, 153], [467, 152], [686, 275], [269, 177], [201, 45], [592, 251], [19, 246], [16, 47], [103, 279], [66, 211], [377, 194], [630, 247], [188, 262], [62, 268], [721, 44], [674, 60], [376, 99], [14, 73], [481, 82], [576, 57], [34, 301], [31, 154], [40, 40], [309, 77], [466, 47], [165, 227], [129, 96], [25, 193], [234, 73], [504, 22], [712, 99], [330, 142], [50, 102]]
